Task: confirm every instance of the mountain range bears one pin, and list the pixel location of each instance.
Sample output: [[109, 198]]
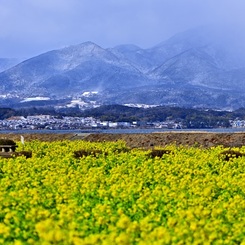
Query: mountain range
[[198, 68]]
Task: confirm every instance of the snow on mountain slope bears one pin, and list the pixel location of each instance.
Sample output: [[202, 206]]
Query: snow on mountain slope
[[70, 71], [199, 67], [132, 54], [190, 67]]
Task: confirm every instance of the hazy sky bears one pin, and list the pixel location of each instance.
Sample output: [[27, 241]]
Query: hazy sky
[[31, 27]]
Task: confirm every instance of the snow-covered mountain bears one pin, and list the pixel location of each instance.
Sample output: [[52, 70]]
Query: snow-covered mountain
[[202, 67], [70, 72]]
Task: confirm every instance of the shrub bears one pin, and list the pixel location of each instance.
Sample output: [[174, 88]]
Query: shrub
[[158, 153], [85, 153], [229, 154], [27, 154], [7, 142]]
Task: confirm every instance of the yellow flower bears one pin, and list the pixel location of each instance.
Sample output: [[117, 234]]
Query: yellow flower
[[18, 242], [122, 239], [4, 230], [123, 222]]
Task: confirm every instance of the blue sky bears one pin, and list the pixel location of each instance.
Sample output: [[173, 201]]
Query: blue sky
[[31, 27]]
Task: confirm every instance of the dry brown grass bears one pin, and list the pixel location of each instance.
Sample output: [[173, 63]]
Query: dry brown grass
[[204, 139]]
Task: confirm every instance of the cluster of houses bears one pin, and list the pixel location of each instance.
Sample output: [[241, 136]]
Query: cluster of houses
[[237, 123], [73, 123]]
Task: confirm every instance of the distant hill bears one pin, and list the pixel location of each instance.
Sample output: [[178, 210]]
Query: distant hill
[[200, 68], [6, 113]]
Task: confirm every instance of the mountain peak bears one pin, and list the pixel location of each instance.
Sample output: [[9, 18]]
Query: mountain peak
[[89, 43], [86, 47]]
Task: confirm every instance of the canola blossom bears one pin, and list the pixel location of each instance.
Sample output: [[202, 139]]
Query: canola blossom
[[189, 196]]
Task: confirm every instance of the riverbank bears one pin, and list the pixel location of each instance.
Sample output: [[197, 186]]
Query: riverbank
[[150, 140]]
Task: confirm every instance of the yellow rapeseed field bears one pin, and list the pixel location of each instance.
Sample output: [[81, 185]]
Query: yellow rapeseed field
[[189, 196]]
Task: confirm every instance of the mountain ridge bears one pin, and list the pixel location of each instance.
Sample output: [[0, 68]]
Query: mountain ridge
[[194, 62]]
